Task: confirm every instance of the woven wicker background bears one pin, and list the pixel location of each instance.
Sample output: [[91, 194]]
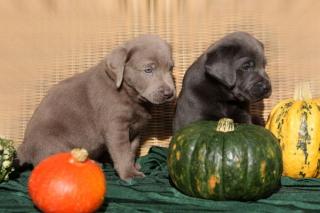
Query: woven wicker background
[[45, 41]]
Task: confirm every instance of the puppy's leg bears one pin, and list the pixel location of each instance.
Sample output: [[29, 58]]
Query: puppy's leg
[[258, 120], [135, 144], [122, 154], [134, 147], [242, 117]]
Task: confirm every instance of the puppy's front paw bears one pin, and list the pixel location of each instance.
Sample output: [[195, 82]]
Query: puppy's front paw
[[137, 166], [129, 172]]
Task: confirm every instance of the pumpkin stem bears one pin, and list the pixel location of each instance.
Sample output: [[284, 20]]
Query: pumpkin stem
[[79, 154], [302, 91], [225, 125]]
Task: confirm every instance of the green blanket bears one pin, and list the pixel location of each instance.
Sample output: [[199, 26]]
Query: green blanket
[[154, 193]]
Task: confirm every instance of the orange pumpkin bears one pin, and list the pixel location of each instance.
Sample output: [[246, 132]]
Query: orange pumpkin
[[67, 183]]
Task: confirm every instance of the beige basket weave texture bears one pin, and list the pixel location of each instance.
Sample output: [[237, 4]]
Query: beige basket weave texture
[[44, 41]]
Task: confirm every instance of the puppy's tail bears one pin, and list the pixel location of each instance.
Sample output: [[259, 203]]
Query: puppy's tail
[[21, 167], [19, 164]]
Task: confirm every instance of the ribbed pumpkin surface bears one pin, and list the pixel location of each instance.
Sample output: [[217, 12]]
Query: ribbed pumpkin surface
[[244, 164], [296, 123], [61, 184]]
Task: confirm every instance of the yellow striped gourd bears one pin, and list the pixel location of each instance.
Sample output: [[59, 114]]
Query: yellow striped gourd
[[296, 123]]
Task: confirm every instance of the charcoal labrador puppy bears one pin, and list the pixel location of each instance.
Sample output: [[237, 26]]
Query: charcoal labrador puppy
[[105, 108], [223, 81]]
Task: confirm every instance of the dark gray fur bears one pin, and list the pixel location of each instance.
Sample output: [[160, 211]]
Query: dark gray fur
[[221, 84]]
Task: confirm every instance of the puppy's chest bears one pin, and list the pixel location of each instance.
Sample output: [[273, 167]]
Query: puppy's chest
[[139, 120]]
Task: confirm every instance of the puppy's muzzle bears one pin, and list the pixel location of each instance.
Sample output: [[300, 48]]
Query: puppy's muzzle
[[164, 94], [167, 93], [260, 90]]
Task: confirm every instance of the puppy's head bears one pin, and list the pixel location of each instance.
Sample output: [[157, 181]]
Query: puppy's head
[[145, 64], [237, 61]]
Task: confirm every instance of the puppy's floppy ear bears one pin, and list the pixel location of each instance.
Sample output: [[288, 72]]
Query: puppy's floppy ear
[[116, 62], [218, 63]]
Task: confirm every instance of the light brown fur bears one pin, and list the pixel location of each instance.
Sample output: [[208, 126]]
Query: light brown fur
[[104, 108]]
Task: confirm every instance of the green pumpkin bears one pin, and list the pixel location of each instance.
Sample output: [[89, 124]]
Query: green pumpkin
[[225, 161]]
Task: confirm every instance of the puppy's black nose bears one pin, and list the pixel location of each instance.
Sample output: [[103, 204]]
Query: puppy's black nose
[[260, 90], [264, 88]]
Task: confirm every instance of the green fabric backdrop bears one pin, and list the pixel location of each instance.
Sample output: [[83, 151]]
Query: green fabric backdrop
[[154, 193]]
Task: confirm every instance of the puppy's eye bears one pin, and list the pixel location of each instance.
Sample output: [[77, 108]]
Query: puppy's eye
[[248, 65], [148, 70]]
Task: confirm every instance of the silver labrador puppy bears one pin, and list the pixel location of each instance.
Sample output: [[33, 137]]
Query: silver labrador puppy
[[104, 108]]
